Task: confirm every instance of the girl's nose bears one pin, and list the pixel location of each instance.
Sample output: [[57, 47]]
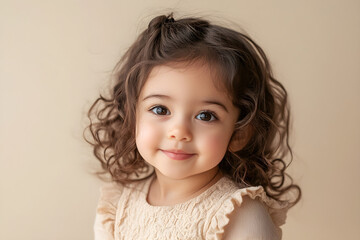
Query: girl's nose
[[180, 132]]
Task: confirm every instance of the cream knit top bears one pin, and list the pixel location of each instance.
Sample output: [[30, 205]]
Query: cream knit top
[[124, 213]]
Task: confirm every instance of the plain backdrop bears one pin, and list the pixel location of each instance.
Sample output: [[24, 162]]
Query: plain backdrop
[[56, 56]]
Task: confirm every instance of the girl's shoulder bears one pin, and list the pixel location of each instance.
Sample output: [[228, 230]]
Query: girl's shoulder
[[110, 194], [249, 205], [251, 221], [106, 210]]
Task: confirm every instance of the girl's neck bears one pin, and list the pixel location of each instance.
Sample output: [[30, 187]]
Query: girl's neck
[[164, 191]]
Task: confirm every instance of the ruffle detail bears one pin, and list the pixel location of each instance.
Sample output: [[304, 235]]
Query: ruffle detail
[[106, 210], [276, 209]]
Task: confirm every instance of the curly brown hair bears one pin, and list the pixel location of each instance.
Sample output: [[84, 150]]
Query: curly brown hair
[[246, 74]]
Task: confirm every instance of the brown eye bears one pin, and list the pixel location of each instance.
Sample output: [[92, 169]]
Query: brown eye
[[206, 116], [160, 110]]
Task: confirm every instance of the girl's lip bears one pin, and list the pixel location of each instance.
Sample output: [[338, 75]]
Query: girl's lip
[[177, 154]]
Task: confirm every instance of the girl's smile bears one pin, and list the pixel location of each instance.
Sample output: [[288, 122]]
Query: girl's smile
[[177, 154]]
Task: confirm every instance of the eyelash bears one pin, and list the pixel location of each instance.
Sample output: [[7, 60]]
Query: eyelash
[[213, 116]]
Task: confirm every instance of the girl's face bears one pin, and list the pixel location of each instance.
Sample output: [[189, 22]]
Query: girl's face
[[183, 122]]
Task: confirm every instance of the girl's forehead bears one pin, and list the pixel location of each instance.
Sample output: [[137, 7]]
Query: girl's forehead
[[198, 70], [193, 67], [192, 80]]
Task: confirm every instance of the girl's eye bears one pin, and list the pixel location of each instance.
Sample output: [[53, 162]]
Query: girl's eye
[[206, 116], [160, 110]]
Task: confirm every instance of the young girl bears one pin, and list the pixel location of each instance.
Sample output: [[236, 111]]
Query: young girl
[[194, 135]]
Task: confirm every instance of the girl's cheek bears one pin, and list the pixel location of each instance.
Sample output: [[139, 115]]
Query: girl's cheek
[[215, 143], [146, 135]]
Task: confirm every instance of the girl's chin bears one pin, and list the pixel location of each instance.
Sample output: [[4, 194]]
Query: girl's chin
[[172, 174]]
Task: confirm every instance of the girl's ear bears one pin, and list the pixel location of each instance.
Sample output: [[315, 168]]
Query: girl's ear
[[240, 138]]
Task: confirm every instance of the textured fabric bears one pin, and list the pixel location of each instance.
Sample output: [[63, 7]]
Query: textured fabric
[[124, 213]]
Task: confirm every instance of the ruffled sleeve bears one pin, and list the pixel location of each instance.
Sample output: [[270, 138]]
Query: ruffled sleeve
[[106, 211], [277, 210]]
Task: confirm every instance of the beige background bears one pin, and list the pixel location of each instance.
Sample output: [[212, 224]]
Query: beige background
[[55, 56]]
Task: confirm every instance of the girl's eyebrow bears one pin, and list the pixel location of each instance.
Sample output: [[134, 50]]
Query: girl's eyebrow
[[156, 96], [209, 102]]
